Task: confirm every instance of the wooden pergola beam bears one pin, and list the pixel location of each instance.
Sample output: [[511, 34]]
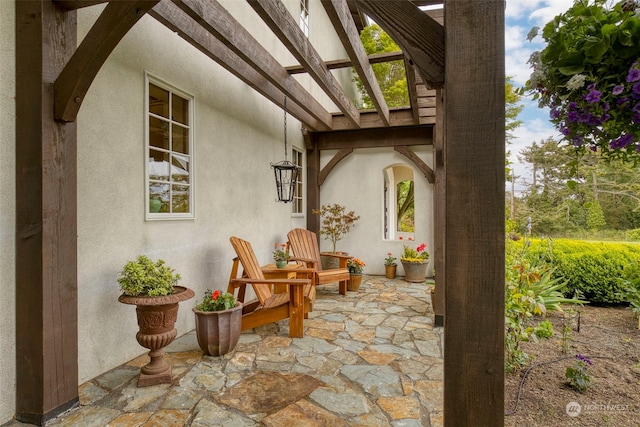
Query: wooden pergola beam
[[221, 24], [74, 81], [376, 138], [77, 4], [374, 58], [340, 17], [411, 88], [427, 172], [175, 19], [419, 35], [280, 21]]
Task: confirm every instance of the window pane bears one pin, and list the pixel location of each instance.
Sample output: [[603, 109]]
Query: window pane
[[180, 198], [158, 197], [180, 109], [158, 133], [158, 101], [158, 165], [180, 169], [180, 139]]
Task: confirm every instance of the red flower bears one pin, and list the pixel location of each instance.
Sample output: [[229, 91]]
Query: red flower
[[421, 247], [400, 238], [215, 295]]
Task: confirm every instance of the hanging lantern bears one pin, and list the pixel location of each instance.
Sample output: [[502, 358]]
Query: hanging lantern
[[286, 173]]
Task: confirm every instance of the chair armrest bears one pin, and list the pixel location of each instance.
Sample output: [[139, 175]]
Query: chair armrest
[[307, 260], [335, 255], [294, 282]]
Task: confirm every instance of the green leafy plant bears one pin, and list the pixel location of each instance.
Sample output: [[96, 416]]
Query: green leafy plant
[[589, 75], [216, 301], [355, 265], [630, 284], [335, 222], [143, 277], [578, 374], [280, 252], [390, 259], [544, 329], [418, 255]]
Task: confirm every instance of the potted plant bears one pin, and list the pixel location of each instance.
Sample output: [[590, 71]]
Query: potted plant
[[218, 322], [390, 266], [355, 266], [335, 224], [152, 288], [280, 255], [414, 262]]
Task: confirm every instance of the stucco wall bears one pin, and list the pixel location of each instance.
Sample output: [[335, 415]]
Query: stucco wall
[[7, 211], [357, 183], [237, 134]]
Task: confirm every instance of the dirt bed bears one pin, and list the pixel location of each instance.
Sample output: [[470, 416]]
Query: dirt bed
[[609, 336]]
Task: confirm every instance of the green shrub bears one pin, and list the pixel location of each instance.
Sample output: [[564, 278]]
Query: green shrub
[[633, 235], [592, 268]]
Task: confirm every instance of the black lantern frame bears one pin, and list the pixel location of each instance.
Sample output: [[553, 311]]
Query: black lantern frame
[[286, 173]]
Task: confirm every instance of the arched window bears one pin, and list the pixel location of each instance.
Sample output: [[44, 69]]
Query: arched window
[[399, 206]]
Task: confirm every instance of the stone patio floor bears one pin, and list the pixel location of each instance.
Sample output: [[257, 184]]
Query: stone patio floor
[[371, 358]]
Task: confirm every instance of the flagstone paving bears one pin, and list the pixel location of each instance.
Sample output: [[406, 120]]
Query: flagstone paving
[[370, 358]]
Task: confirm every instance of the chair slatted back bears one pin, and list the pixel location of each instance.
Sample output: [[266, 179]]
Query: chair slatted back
[[251, 268], [304, 244]]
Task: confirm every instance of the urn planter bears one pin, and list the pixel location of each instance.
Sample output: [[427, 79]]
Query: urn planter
[[415, 271], [156, 323], [218, 332]]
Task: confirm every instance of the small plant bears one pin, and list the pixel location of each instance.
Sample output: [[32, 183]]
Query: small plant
[[216, 301], [143, 277], [418, 255], [336, 222], [544, 329], [577, 374], [355, 265], [390, 260], [280, 252]]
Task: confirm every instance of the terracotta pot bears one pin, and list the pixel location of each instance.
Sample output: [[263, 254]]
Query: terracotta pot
[[390, 271], [218, 332], [156, 323], [415, 271], [354, 282]]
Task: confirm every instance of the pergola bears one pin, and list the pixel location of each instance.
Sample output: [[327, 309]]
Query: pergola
[[455, 74]]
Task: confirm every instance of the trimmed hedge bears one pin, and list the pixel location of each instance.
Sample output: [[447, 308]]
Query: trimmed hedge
[[593, 268]]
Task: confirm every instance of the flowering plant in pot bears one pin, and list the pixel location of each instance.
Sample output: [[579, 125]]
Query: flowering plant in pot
[[280, 254], [390, 266], [153, 288], [218, 322], [414, 262], [335, 223], [355, 267], [589, 76]]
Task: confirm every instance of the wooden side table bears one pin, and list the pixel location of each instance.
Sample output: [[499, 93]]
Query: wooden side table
[[270, 271]]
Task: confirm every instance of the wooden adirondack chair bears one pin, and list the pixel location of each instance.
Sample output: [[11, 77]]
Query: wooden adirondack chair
[[269, 307], [304, 246]]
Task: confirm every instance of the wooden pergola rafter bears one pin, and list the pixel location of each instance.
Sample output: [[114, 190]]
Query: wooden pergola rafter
[[466, 129]]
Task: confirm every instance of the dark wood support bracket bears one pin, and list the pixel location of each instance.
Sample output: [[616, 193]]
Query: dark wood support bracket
[[74, 81], [332, 163], [424, 168]]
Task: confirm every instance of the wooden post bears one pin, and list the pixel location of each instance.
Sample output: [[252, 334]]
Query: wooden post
[[438, 211], [46, 221], [474, 208], [313, 186]]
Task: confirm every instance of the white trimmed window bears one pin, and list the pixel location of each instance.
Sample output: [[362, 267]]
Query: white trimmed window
[[298, 201], [304, 17], [399, 214], [169, 152]]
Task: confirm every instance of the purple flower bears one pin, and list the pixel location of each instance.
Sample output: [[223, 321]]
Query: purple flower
[[623, 102], [573, 105], [617, 90], [593, 96], [621, 142], [578, 140], [636, 88], [636, 108], [584, 359], [565, 131], [554, 114], [572, 116], [634, 75], [606, 107]]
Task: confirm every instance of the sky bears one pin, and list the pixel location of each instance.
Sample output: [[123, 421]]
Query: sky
[[520, 17]]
